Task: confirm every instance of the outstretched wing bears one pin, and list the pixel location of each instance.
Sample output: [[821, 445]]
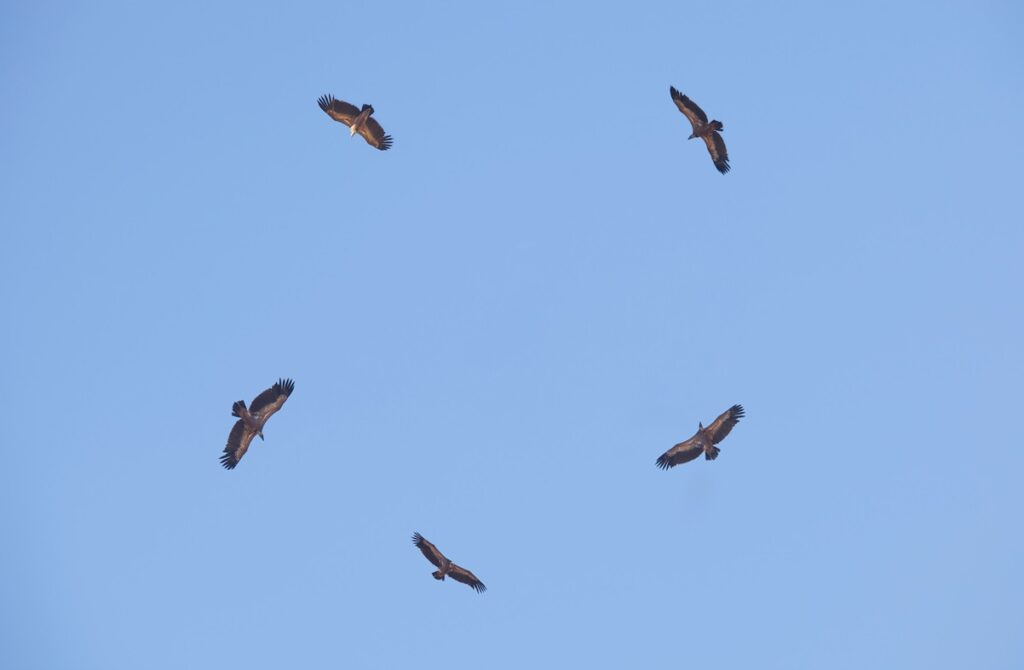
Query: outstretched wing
[[428, 549], [724, 423], [339, 110], [716, 147], [463, 575], [689, 108], [374, 134], [265, 404], [238, 444], [684, 452]]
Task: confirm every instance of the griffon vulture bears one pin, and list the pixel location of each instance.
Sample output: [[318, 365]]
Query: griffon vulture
[[446, 567], [251, 421], [703, 442], [357, 120], [702, 129]]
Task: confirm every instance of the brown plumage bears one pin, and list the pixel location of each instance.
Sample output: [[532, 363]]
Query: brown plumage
[[704, 441], [446, 567], [702, 129], [252, 419], [357, 120]]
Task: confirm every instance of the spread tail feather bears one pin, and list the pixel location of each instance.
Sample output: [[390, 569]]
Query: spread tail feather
[[438, 574], [238, 408], [717, 125], [711, 453]]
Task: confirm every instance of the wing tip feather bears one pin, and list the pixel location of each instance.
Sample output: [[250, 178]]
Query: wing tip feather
[[285, 386]]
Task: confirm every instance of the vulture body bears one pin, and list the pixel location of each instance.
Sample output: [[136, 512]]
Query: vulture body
[[446, 567], [252, 419], [707, 131], [703, 442], [358, 121]]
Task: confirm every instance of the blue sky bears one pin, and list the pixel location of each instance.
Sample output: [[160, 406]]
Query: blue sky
[[496, 327]]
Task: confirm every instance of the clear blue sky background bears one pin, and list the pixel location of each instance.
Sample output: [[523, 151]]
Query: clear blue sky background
[[497, 326]]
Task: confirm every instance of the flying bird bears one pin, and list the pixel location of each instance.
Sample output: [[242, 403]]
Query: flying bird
[[251, 421], [702, 129], [357, 120], [703, 441], [446, 567]]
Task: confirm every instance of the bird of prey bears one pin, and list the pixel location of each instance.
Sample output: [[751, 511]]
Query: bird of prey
[[252, 419], [703, 441], [446, 567], [702, 129], [357, 120]]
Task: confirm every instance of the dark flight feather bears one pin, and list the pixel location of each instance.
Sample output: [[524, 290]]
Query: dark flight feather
[[349, 114], [251, 420], [703, 441], [445, 566], [702, 128]]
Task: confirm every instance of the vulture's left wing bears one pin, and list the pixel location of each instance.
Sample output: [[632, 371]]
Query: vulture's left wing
[[724, 423], [238, 444], [374, 135], [463, 575], [428, 549], [716, 147], [339, 110], [689, 108], [684, 452], [271, 400]]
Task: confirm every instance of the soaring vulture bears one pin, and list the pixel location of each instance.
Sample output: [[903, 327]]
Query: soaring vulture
[[251, 421], [703, 441], [357, 120], [702, 129], [446, 567]]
